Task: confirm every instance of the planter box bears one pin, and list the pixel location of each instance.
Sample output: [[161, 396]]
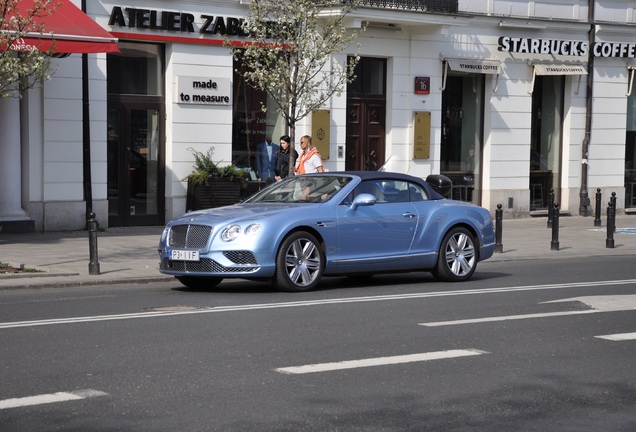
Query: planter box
[[249, 188], [216, 193]]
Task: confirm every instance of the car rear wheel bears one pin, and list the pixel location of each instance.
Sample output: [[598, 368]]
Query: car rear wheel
[[458, 256], [299, 263], [199, 282]]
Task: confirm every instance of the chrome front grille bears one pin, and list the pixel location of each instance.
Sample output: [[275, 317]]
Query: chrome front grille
[[204, 266], [189, 236]]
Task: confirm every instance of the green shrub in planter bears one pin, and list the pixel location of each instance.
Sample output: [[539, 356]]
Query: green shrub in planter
[[210, 185], [205, 169]]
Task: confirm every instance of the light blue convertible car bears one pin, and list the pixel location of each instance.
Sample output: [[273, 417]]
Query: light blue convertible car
[[302, 228]]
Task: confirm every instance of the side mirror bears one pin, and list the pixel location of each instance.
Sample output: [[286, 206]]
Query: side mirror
[[440, 184], [364, 199]]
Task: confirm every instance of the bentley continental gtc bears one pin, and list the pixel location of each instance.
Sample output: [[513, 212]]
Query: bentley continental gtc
[[302, 228]]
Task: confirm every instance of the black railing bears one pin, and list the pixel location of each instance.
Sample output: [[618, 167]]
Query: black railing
[[437, 6]]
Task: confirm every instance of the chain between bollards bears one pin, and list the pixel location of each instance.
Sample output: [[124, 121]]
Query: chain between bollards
[[93, 265], [597, 213], [611, 221], [554, 244], [498, 229]]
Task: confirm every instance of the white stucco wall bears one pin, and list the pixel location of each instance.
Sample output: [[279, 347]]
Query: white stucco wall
[[415, 48]]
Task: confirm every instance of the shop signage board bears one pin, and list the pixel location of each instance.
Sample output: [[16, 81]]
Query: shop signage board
[[422, 135], [203, 90]]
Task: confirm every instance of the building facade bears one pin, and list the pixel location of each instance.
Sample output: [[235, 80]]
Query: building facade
[[512, 100]]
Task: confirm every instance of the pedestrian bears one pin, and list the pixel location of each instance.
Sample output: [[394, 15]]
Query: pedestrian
[[266, 159], [285, 158], [309, 161]]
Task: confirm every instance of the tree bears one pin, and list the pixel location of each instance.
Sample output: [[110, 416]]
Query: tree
[[290, 54], [22, 66]]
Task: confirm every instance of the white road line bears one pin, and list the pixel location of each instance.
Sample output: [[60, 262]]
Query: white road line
[[238, 308], [507, 318], [619, 337], [605, 303], [379, 361], [50, 398]]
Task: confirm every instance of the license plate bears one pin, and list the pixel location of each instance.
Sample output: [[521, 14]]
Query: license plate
[[184, 255]]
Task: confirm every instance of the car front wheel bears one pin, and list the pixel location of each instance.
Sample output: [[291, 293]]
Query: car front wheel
[[458, 256], [299, 263]]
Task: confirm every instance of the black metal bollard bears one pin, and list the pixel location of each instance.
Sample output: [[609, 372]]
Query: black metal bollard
[[613, 201], [498, 229], [550, 205], [611, 222], [597, 214], [554, 245], [93, 265]]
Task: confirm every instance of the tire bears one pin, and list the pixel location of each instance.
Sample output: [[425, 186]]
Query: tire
[[458, 256], [299, 263], [199, 283]]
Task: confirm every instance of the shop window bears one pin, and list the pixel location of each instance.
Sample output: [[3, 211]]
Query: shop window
[[136, 70], [630, 153], [462, 131], [251, 125], [545, 145], [369, 77]]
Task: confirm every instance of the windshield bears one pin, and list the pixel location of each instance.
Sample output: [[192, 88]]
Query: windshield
[[301, 189]]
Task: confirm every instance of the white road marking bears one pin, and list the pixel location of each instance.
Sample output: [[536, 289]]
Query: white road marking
[[604, 302], [506, 318], [238, 308], [619, 337], [50, 398], [597, 303], [379, 361]]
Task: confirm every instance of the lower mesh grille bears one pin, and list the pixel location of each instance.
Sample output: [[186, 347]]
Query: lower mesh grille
[[240, 257], [203, 266]]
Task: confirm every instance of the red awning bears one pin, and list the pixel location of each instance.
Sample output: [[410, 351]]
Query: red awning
[[67, 30]]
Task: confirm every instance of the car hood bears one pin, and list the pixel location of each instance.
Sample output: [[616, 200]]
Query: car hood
[[240, 212]]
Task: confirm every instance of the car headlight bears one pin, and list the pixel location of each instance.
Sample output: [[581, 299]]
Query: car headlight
[[230, 233], [253, 229]]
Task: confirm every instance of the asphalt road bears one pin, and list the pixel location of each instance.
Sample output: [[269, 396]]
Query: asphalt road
[[523, 346]]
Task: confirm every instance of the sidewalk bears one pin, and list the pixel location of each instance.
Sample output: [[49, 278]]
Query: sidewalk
[[129, 255]]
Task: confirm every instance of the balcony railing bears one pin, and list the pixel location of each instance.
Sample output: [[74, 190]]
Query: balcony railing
[[436, 6]]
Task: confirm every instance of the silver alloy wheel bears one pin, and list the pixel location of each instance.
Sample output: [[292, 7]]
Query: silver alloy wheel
[[303, 262], [460, 254]]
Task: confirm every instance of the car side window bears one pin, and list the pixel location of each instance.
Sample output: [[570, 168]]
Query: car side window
[[403, 191], [388, 191], [370, 187], [416, 193]]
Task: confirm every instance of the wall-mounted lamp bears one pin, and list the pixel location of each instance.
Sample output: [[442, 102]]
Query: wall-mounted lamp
[[383, 26]]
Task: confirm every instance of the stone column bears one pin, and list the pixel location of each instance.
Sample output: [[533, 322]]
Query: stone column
[[10, 162]]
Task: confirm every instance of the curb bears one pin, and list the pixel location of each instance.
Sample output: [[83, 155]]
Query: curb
[[28, 282]]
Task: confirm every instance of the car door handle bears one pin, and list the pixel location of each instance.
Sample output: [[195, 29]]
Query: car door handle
[[409, 215]]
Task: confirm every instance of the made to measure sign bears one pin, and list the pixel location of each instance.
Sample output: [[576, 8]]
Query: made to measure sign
[[203, 90]]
